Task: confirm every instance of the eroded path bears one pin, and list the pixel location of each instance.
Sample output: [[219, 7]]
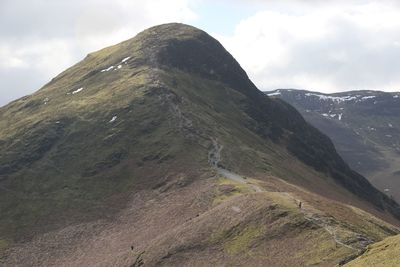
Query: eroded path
[[240, 179], [310, 215]]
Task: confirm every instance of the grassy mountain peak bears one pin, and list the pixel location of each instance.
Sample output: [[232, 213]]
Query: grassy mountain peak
[[169, 112]]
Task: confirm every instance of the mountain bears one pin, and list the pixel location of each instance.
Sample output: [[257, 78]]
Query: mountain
[[159, 151], [363, 125]]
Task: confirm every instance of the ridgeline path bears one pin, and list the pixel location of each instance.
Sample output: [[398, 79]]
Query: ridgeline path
[[214, 157]]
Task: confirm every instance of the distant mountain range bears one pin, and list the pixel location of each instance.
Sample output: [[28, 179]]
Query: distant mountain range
[[363, 125], [160, 151]]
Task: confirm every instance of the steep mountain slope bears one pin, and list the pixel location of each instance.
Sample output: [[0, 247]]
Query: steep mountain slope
[[161, 150], [363, 125]]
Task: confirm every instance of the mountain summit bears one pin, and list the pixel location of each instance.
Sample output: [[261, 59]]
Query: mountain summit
[[189, 50], [161, 151]]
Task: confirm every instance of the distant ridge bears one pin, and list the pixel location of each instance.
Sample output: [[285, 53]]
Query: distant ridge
[[364, 126]]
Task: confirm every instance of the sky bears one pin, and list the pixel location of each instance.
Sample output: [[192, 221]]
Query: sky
[[318, 45]]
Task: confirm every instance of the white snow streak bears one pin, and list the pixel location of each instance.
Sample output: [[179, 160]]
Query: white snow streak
[[77, 90], [113, 119]]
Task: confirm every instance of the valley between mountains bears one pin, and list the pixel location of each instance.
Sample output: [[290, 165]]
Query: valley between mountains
[[160, 151], [363, 125]]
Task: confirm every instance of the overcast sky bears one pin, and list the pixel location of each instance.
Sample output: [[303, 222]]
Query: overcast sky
[[318, 45]]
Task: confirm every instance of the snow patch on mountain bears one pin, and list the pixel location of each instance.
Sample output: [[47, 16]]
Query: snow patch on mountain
[[273, 94], [114, 118], [125, 59], [337, 99], [368, 97], [77, 90], [108, 69]]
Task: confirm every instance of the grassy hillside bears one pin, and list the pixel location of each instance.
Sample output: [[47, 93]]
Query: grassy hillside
[[97, 159], [214, 221], [384, 253]]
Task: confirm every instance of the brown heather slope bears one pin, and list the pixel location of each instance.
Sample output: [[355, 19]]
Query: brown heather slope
[[132, 147], [213, 222]]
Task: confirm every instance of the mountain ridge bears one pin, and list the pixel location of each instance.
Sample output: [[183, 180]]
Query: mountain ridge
[[362, 124], [133, 137]]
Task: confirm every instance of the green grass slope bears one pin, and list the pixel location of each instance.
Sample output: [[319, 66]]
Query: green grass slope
[[267, 228], [385, 253], [149, 114]]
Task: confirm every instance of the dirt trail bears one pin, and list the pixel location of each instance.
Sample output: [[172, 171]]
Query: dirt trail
[[214, 157], [324, 223], [237, 178]]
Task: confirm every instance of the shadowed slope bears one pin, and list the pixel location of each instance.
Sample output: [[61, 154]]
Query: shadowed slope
[[363, 125]]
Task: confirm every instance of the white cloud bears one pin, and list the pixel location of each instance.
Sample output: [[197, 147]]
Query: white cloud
[[119, 20], [325, 47]]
